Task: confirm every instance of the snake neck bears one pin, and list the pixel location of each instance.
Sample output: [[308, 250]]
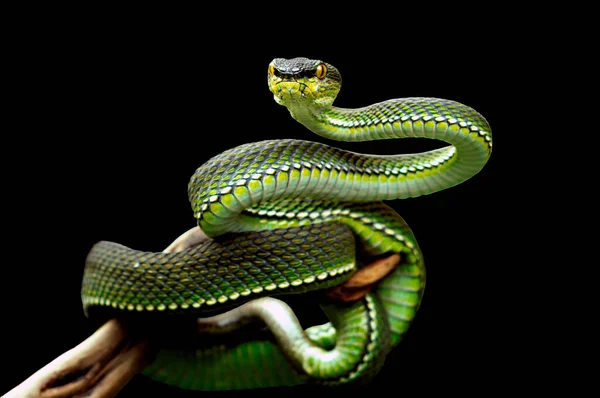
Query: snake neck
[[251, 176], [467, 132]]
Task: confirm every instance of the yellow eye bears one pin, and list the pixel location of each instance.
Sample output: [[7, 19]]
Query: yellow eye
[[271, 69], [321, 71]]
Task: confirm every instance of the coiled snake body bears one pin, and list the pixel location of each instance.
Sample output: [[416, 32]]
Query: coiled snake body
[[291, 216]]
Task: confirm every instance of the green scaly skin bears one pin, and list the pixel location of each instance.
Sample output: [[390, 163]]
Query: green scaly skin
[[286, 187]]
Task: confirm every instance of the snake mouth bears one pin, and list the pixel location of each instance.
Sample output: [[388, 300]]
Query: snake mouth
[[291, 91]]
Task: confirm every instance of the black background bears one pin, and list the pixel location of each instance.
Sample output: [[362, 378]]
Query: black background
[[114, 115]]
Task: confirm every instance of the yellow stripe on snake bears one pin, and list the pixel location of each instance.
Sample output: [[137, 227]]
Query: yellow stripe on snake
[[295, 217]]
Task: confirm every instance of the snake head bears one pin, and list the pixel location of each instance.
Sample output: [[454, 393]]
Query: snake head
[[303, 82]]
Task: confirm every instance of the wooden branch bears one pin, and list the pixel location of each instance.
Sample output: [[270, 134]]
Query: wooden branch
[[100, 366], [364, 279]]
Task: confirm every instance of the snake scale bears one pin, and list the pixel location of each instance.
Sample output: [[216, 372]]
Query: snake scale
[[292, 216]]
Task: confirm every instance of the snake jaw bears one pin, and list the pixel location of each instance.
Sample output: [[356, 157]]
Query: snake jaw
[[290, 92]]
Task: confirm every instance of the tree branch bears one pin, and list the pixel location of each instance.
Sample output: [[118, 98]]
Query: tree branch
[[101, 365]]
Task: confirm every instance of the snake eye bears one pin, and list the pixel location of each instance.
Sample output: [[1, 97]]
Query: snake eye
[[271, 70], [321, 71]]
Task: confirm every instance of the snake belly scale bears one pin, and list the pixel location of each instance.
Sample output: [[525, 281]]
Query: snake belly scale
[[292, 216]]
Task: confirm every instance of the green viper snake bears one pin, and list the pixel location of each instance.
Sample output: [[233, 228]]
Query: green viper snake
[[292, 216]]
